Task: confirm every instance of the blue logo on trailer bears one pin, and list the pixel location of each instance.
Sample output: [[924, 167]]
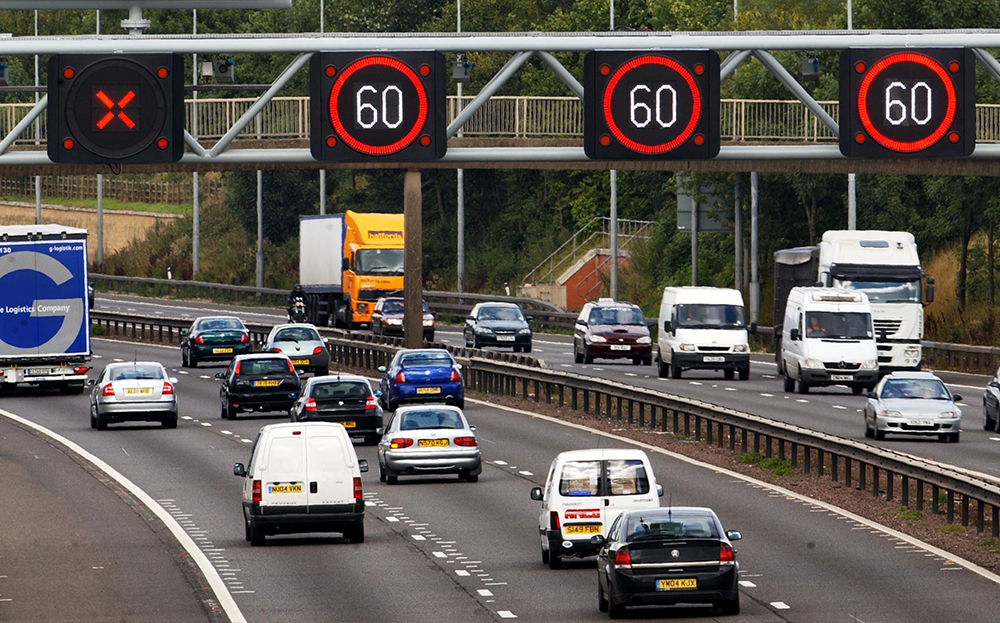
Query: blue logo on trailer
[[44, 307]]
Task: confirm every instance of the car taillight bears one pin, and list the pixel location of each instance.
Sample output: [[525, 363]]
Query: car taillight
[[310, 404], [108, 390], [370, 403], [199, 340], [400, 377], [167, 388], [553, 520], [623, 558], [244, 339], [454, 377], [317, 350], [275, 350], [400, 442], [726, 553], [256, 491], [291, 368], [236, 370], [80, 370], [465, 441], [357, 488]]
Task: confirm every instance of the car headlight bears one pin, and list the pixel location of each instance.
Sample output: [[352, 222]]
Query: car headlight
[[869, 365], [644, 340], [483, 330], [688, 347], [428, 322], [596, 338], [740, 348], [394, 321], [812, 363], [886, 413], [524, 331], [949, 414]]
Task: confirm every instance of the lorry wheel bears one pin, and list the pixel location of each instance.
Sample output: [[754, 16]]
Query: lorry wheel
[[789, 383], [730, 374], [745, 373]]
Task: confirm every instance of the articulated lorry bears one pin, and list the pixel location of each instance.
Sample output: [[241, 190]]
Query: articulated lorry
[[347, 262], [44, 315], [885, 266]]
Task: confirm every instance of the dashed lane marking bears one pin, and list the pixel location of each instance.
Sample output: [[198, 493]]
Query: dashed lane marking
[[747, 584], [524, 473], [506, 614], [417, 537], [767, 395], [839, 407], [780, 605], [462, 572], [440, 555], [485, 592], [205, 424], [801, 400]]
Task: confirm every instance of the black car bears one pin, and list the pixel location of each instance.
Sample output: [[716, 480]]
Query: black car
[[258, 382], [991, 404], [214, 338], [667, 556], [497, 324], [346, 399]]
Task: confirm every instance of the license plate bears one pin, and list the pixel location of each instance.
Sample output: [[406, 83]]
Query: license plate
[[349, 424], [713, 359], [300, 362], [38, 371], [428, 390], [284, 488], [674, 584], [620, 347], [265, 383], [432, 443], [505, 338], [583, 529], [921, 423], [137, 390], [221, 351], [841, 377]]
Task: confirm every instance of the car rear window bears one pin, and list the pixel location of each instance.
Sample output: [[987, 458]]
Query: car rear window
[[220, 324], [425, 359], [627, 477], [250, 367], [136, 372], [580, 478], [431, 418], [297, 334], [671, 526], [340, 390]]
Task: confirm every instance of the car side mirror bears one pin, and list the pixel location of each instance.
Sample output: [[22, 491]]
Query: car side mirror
[[183, 332], [382, 369], [753, 328], [598, 540], [536, 494], [872, 395], [472, 427], [734, 535], [220, 375], [378, 393], [529, 318], [345, 264], [326, 340], [581, 322], [666, 326], [239, 470], [470, 319], [793, 335], [458, 365], [993, 383], [173, 379], [929, 290], [91, 382], [956, 397], [659, 490], [362, 466]]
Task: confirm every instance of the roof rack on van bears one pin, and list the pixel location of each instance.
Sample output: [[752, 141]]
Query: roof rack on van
[[605, 299], [836, 297]]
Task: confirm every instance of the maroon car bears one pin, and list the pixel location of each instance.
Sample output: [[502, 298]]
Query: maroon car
[[387, 318], [612, 329]]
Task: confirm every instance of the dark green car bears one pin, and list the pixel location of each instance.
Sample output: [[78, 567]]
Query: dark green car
[[214, 338]]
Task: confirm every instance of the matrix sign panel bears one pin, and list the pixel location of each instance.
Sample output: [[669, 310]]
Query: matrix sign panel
[[370, 106], [907, 102], [651, 105], [118, 108]]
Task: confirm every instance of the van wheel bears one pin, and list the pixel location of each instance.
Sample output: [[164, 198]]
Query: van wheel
[[256, 536], [545, 557], [246, 529], [356, 534], [789, 383], [745, 373], [729, 374], [391, 480], [555, 562], [675, 370], [661, 367], [803, 387]]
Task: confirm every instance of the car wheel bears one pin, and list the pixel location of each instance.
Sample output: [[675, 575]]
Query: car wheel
[[732, 607], [517, 349], [391, 480], [527, 348], [648, 361], [184, 359], [230, 413], [577, 357], [745, 373], [381, 473], [803, 387], [475, 343], [954, 437], [356, 534], [729, 374], [170, 422], [102, 424], [988, 422], [192, 362], [321, 371], [587, 358], [637, 361], [373, 440], [222, 412], [392, 405], [857, 390], [93, 420], [473, 478], [460, 403], [789, 383], [615, 610], [879, 434], [869, 433], [256, 536], [675, 370], [602, 601]]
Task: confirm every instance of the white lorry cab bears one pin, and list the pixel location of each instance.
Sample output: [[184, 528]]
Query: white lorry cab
[[303, 477], [703, 329], [584, 493], [828, 339]]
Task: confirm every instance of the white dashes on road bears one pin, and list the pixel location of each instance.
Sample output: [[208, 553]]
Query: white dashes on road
[[780, 605]]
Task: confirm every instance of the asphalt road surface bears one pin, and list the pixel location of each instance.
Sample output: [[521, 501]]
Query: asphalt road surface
[[438, 549]]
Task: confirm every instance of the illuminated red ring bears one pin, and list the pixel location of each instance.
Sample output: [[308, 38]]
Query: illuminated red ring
[[354, 143], [911, 146], [695, 108]]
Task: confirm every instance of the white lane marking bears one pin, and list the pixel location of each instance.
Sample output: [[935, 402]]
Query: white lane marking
[[185, 417], [97, 356], [117, 360], [801, 400], [833, 510], [768, 376], [524, 473], [694, 383], [506, 614], [499, 462], [205, 424], [767, 395], [126, 452], [462, 572], [204, 376], [961, 404], [566, 365], [485, 592], [839, 407], [182, 372], [391, 519], [496, 584], [730, 389], [747, 584], [204, 564], [780, 605], [440, 555], [246, 440], [417, 537], [994, 438], [598, 369], [226, 432]]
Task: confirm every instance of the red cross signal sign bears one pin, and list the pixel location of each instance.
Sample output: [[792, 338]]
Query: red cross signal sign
[[119, 108]]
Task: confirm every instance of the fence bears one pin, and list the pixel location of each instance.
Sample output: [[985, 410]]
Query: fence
[[124, 190]]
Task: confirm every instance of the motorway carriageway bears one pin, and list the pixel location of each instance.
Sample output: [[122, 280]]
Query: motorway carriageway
[[438, 549], [833, 410]]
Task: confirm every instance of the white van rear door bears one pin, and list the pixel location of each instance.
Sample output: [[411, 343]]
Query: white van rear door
[[283, 474], [578, 499], [630, 487], [331, 469]]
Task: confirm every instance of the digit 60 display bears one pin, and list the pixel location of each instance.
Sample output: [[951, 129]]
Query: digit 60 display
[[651, 105], [907, 102], [370, 106]]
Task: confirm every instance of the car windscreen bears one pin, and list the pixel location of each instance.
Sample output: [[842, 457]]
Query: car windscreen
[[136, 373], [426, 419], [339, 390], [670, 525], [297, 334], [580, 478], [928, 389], [395, 306], [884, 291], [379, 262], [616, 315], [698, 316], [838, 325], [508, 314], [220, 324], [627, 477], [415, 360], [254, 367]]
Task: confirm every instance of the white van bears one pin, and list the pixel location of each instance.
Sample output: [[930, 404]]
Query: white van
[[828, 339], [703, 329], [585, 492], [303, 477]]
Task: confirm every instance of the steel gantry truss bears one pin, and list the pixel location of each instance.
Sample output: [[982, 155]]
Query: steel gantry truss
[[741, 46]]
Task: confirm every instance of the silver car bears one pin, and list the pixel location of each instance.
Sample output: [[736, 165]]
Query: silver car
[[429, 439], [133, 392], [302, 344], [912, 403]]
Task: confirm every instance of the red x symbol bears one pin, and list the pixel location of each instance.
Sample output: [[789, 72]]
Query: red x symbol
[[110, 103]]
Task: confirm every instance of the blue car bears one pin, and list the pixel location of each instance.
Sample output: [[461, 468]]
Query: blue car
[[422, 375]]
